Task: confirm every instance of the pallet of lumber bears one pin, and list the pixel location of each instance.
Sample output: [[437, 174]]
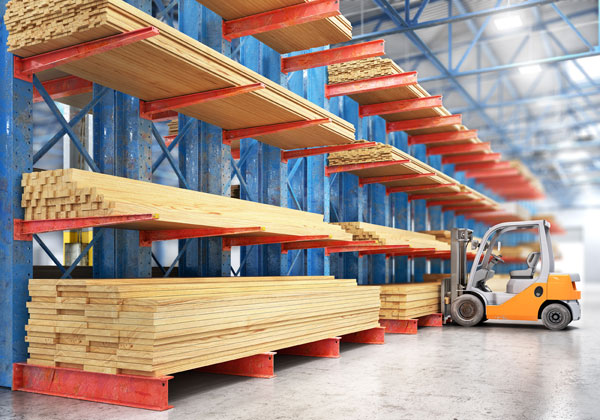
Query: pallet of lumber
[[440, 235], [152, 328], [168, 65], [410, 300], [391, 236], [69, 193], [332, 30]]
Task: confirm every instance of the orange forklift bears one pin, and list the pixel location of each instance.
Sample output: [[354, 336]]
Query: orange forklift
[[534, 293]]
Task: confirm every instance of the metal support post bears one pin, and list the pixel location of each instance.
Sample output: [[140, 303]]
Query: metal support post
[[402, 214], [435, 216], [419, 219], [379, 201], [122, 147], [215, 157], [317, 185], [16, 157]]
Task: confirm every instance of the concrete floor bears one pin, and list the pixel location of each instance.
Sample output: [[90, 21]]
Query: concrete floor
[[496, 371]]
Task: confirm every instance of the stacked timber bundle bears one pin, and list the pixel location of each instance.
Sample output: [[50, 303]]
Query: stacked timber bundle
[[391, 236], [362, 69], [151, 328], [37, 27], [173, 127], [440, 235], [69, 193], [316, 33], [408, 301], [379, 152]]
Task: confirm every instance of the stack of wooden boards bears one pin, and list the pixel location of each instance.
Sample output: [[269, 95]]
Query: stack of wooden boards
[[69, 193], [387, 153], [145, 69], [152, 328], [367, 68], [408, 301], [378, 67], [331, 30], [391, 236], [440, 235], [173, 127]]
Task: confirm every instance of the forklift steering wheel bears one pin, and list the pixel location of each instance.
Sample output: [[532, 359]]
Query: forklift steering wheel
[[497, 259]]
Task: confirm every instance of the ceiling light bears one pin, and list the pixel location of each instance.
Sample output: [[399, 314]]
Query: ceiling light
[[508, 22], [530, 70], [590, 65], [573, 155]]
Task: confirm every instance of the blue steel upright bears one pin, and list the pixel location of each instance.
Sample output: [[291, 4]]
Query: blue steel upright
[[122, 147], [419, 219], [16, 157], [401, 214]]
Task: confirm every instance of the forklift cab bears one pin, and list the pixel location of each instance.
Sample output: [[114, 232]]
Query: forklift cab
[[539, 263]]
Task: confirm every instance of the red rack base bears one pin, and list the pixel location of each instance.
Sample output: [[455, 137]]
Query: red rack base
[[128, 390], [330, 347], [410, 326], [373, 336], [257, 366]]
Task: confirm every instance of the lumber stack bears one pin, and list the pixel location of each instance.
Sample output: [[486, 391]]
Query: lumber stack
[[408, 301], [379, 152], [367, 68], [440, 235], [308, 35], [391, 236], [69, 193], [151, 328], [173, 126], [145, 69]]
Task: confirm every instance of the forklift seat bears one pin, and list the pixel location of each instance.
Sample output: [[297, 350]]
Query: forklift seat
[[522, 279]]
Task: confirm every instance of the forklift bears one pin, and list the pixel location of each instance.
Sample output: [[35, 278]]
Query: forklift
[[531, 294]]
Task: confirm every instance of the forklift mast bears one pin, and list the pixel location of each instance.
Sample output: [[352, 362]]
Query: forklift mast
[[460, 239]]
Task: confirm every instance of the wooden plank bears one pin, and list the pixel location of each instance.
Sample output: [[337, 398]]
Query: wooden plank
[[145, 69]]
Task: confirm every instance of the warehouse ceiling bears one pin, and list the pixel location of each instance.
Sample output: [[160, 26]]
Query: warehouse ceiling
[[525, 73]]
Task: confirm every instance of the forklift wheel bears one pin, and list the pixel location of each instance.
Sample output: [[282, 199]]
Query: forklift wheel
[[556, 316], [467, 311]]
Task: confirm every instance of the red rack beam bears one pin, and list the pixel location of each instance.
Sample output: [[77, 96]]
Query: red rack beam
[[271, 239], [25, 68], [257, 366], [294, 154], [395, 107], [458, 149], [491, 173], [128, 390], [409, 252], [329, 348], [473, 157], [333, 56], [370, 85], [252, 132], [423, 123], [64, 88], [392, 190], [319, 244], [169, 140], [373, 336], [475, 211], [391, 178], [162, 108], [415, 197], [359, 166], [359, 248], [236, 153], [482, 165], [442, 137], [24, 229], [280, 18], [149, 236]]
